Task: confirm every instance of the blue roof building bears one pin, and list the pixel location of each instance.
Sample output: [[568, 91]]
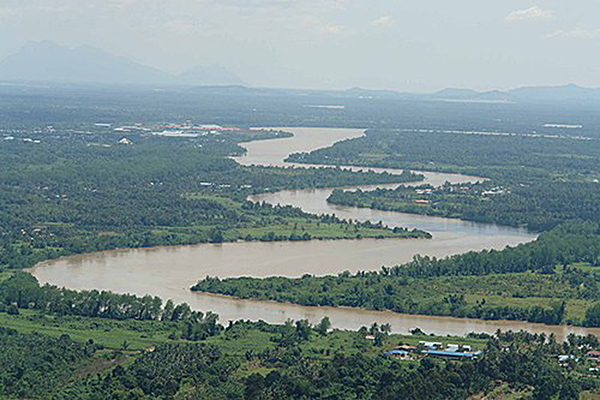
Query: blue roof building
[[396, 353]]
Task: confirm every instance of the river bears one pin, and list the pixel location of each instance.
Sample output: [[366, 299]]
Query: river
[[169, 272]]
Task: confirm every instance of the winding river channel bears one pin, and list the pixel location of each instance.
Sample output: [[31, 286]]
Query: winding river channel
[[169, 272]]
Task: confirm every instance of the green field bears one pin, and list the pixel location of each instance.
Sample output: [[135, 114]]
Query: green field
[[140, 335], [110, 333]]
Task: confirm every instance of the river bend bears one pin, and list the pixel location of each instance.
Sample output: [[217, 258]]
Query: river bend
[[169, 272]]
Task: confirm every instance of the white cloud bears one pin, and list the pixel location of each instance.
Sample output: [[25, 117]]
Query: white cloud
[[577, 33], [530, 14], [384, 21]]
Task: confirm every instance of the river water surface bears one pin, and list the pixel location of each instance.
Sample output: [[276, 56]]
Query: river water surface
[[169, 272]]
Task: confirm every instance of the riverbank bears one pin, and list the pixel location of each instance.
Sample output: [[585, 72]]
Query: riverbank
[[353, 318], [169, 272]]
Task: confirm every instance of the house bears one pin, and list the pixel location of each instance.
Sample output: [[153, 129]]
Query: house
[[455, 355], [431, 345], [457, 347], [407, 348], [564, 359], [593, 355], [125, 141], [401, 354]]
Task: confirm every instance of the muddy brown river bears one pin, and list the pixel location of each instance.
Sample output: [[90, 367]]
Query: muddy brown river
[[169, 272]]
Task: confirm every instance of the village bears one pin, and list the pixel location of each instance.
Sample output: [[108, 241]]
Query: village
[[449, 351], [176, 130], [588, 363]]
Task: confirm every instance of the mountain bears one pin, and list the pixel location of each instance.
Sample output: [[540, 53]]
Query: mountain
[[47, 61], [555, 93], [571, 93], [213, 75], [372, 93]]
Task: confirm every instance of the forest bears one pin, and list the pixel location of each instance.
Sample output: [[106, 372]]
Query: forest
[[63, 344], [533, 181], [67, 188], [71, 105], [537, 282], [74, 193], [544, 184], [255, 360]]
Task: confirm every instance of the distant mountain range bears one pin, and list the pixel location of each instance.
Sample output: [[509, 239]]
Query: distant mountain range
[[49, 62], [523, 94], [532, 93]]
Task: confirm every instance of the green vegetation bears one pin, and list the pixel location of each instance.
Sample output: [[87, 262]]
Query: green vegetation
[[77, 193], [96, 345], [536, 182], [539, 205], [542, 183], [521, 283], [73, 189], [110, 333], [34, 365], [22, 291], [255, 360]]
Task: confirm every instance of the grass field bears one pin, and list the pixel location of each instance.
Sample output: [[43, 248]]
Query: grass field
[[318, 230], [110, 333], [278, 231], [141, 335]]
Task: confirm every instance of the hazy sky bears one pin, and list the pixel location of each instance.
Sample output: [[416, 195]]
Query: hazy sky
[[417, 45]]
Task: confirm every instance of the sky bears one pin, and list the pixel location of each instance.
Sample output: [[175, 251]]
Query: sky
[[405, 45]]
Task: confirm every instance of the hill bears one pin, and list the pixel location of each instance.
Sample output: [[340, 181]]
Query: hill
[[47, 61]]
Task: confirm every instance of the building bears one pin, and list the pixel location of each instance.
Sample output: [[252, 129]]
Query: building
[[593, 355], [422, 201], [407, 348], [454, 355], [457, 347], [564, 360], [431, 345], [399, 354]]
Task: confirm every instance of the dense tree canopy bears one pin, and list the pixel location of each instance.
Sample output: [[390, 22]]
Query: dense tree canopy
[[519, 283], [535, 181], [74, 193]]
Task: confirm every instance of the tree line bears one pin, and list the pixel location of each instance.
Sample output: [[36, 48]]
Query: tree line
[[75, 193], [432, 286], [37, 366], [22, 291]]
